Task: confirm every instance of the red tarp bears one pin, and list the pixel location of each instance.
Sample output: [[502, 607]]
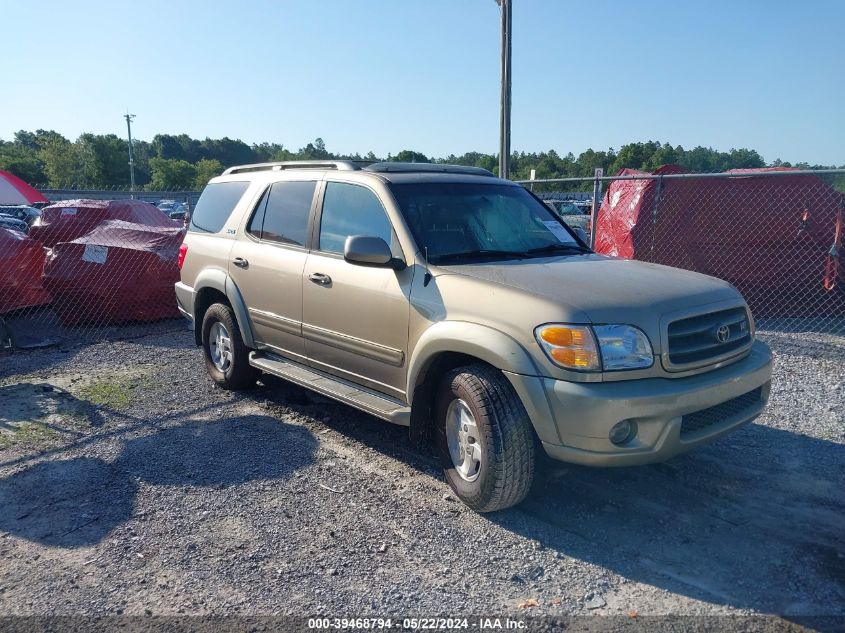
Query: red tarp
[[21, 263], [751, 231], [13, 190], [120, 271], [69, 219]]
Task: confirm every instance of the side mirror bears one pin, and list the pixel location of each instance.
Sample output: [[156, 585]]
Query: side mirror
[[365, 250]]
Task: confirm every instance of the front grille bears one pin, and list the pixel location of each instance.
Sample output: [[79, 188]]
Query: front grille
[[698, 339], [694, 422]]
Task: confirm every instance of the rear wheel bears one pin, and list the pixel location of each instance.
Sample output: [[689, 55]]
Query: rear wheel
[[226, 356], [485, 438]]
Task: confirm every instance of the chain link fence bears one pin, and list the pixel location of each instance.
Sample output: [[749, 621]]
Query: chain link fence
[[100, 264], [776, 234], [187, 198], [91, 268]]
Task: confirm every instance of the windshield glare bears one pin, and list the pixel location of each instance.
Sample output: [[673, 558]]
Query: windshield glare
[[453, 219]]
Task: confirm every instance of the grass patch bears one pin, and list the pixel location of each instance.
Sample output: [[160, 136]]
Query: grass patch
[[114, 394], [106, 393], [27, 433]]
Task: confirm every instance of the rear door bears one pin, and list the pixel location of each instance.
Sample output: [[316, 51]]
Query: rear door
[[355, 318], [267, 263]]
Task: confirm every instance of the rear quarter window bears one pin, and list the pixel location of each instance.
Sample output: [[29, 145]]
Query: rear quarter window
[[215, 205]]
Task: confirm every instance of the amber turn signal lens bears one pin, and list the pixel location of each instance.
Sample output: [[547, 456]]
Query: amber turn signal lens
[[578, 358], [563, 336], [569, 346]]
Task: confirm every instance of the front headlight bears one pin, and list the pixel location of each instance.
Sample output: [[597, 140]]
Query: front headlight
[[596, 348], [623, 347]]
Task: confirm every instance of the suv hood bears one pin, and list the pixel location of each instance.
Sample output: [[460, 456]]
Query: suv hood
[[605, 289]]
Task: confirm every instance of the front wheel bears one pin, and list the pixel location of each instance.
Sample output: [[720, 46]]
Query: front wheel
[[226, 356], [485, 438]]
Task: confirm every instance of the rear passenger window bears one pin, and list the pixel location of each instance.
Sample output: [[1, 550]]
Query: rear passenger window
[[284, 216], [257, 219], [215, 205], [351, 210]]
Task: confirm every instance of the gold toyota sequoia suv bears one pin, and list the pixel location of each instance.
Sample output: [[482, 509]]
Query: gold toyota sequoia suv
[[453, 302]]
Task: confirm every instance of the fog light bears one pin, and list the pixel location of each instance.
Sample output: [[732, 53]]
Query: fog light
[[622, 432]]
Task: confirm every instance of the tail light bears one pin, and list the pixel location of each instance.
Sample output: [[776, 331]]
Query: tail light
[[183, 250]]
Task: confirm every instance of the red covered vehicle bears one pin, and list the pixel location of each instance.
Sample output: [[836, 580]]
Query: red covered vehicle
[[774, 237], [69, 219], [21, 263], [118, 272]]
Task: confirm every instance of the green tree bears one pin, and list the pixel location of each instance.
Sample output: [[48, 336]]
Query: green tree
[[179, 147], [228, 151], [410, 156], [172, 175], [206, 169], [314, 151], [265, 152], [62, 163], [22, 161], [104, 160]]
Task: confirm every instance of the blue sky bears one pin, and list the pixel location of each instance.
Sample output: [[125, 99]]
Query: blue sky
[[387, 75]]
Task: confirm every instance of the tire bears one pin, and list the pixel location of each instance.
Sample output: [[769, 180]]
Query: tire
[[506, 448], [233, 372]]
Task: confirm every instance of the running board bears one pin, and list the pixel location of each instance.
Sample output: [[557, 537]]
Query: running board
[[372, 402]]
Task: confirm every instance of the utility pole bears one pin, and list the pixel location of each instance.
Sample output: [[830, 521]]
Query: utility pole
[[505, 120], [129, 118]]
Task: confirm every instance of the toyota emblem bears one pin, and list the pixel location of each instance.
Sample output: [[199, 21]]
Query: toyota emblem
[[723, 334]]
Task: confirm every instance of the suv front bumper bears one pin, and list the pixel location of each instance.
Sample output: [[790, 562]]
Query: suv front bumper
[[584, 413]]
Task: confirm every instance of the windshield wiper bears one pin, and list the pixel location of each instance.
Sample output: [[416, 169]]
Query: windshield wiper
[[479, 254], [557, 248]]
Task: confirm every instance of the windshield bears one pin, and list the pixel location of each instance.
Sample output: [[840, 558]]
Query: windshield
[[570, 209], [460, 221]]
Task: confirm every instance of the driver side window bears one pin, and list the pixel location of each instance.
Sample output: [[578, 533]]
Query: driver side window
[[351, 210]]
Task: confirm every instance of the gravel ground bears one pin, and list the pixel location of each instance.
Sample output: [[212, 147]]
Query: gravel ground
[[130, 484]]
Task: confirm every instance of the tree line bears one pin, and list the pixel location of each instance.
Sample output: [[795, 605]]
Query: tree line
[[170, 162]]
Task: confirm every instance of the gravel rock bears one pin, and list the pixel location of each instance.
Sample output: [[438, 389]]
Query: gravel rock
[[200, 501], [592, 601]]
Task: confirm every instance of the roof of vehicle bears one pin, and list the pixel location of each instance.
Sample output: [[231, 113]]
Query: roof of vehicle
[[441, 177], [389, 171]]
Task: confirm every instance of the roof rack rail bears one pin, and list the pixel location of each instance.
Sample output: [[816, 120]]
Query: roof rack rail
[[338, 165], [389, 166]]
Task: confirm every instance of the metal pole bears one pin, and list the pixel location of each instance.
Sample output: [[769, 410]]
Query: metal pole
[[129, 118], [597, 175], [505, 120]]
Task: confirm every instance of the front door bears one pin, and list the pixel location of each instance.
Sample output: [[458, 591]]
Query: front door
[[267, 264], [355, 318]]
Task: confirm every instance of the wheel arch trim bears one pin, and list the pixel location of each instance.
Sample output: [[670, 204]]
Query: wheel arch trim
[[220, 280], [473, 339], [494, 348]]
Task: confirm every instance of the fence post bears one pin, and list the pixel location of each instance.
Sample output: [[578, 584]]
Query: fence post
[[657, 196], [597, 175]]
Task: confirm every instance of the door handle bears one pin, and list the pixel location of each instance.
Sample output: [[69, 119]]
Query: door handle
[[320, 278], [240, 262]]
